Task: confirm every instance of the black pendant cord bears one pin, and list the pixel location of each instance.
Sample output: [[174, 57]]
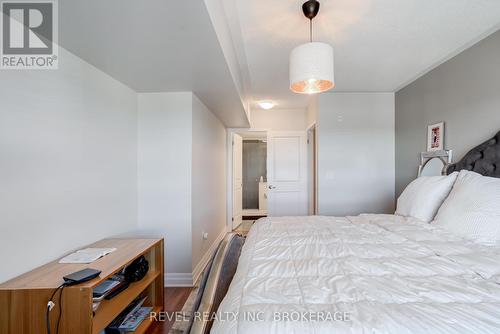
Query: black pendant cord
[[310, 9], [310, 30]]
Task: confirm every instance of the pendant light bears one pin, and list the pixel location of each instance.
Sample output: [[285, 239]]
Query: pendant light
[[311, 64]]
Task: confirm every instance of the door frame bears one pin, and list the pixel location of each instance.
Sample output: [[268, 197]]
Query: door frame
[[312, 173], [237, 213], [229, 168]]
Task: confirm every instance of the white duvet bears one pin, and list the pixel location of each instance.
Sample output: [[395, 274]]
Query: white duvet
[[364, 274]]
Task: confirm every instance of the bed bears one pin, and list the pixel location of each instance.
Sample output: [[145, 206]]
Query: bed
[[366, 274], [390, 274]]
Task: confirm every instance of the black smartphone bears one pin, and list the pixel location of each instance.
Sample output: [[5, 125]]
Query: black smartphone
[[81, 276]]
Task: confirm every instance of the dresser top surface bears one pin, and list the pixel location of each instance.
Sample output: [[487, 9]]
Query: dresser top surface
[[51, 274]]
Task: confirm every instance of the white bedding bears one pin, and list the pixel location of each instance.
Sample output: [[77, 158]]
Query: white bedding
[[390, 274]]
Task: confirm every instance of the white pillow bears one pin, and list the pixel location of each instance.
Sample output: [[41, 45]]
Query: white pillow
[[472, 209], [422, 198]]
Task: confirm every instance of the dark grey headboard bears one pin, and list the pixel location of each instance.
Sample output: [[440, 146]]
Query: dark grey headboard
[[483, 159]]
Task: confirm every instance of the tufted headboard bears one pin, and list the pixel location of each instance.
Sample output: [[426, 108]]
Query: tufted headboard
[[483, 159]]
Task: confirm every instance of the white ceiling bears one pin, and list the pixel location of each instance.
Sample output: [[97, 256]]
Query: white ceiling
[[242, 54], [154, 46], [380, 45]]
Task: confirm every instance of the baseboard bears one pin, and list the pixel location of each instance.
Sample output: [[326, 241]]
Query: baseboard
[[188, 279], [178, 279], [208, 255]]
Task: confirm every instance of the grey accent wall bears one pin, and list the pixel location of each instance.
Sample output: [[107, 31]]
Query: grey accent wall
[[254, 166], [464, 92], [355, 153]]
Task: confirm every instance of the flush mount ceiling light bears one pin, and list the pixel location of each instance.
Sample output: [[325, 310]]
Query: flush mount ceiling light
[[311, 64], [266, 104]]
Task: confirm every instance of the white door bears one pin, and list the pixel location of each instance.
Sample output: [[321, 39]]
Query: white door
[[287, 173], [237, 180]]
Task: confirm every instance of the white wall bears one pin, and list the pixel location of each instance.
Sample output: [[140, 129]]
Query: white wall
[[68, 160], [279, 119], [164, 173], [355, 153], [181, 173], [208, 190]]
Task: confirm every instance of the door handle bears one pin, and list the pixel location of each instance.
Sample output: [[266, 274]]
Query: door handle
[[272, 187]]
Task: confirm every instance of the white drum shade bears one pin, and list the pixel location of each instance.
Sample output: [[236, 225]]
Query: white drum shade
[[311, 68]]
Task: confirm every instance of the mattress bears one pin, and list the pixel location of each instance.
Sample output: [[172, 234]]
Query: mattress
[[363, 274]]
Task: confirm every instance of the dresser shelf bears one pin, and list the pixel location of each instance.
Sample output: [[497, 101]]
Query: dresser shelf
[[23, 300]]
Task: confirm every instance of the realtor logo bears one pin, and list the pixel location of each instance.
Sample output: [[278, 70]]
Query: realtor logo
[[29, 35]]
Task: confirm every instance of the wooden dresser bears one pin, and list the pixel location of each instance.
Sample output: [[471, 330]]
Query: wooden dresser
[[23, 300]]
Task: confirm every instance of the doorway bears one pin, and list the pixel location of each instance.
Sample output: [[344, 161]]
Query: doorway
[[249, 178], [268, 176], [254, 178]]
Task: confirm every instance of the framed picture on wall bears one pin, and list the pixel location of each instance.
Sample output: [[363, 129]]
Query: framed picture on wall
[[435, 137]]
